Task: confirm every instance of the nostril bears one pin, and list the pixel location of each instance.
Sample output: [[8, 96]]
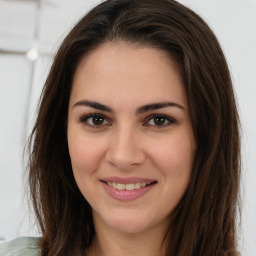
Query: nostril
[[125, 158]]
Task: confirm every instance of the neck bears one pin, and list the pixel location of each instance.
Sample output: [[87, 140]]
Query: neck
[[110, 242]]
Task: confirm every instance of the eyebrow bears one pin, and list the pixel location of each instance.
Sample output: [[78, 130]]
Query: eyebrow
[[93, 104], [155, 106], [139, 111]]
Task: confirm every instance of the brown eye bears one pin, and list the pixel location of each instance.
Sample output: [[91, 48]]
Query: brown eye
[[95, 120], [160, 121]]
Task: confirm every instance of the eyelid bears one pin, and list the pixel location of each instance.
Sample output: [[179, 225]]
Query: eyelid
[[168, 118], [84, 119]]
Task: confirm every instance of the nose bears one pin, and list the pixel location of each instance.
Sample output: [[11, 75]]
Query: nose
[[125, 149]]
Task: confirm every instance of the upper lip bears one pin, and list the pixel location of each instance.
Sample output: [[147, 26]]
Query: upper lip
[[127, 180]]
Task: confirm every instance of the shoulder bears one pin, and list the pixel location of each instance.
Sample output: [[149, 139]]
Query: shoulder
[[23, 246]]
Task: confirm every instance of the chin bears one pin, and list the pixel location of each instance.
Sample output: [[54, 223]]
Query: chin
[[127, 222], [128, 226]]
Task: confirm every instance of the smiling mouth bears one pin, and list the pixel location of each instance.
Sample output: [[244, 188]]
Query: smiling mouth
[[127, 189], [129, 186]]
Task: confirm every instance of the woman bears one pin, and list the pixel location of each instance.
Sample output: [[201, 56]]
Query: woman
[[135, 150]]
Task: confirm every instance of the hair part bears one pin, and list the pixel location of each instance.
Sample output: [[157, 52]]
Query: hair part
[[204, 221]]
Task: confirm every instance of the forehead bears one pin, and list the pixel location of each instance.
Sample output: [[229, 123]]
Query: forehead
[[117, 71]]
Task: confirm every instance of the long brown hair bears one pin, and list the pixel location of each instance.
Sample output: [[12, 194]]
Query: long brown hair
[[204, 221]]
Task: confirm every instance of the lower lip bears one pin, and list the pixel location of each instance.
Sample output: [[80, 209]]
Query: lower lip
[[127, 195]]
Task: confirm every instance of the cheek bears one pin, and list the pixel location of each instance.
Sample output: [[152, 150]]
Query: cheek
[[174, 160], [174, 155], [85, 154]]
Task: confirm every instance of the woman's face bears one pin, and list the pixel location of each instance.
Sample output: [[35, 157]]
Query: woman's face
[[130, 136]]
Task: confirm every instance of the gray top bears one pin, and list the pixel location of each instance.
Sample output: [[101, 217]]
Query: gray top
[[23, 246]]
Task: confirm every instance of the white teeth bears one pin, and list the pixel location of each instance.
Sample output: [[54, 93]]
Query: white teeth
[[130, 186], [137, 185], [120, 186]]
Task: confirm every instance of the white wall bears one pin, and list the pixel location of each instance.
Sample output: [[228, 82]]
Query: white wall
[[234, 22]]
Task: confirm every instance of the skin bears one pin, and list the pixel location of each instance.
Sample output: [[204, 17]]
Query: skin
[[125, 143]]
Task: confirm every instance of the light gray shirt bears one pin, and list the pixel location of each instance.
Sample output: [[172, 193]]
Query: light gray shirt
[[23, 246]]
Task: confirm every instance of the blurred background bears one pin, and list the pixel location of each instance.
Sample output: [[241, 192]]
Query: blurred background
[[30, 33]]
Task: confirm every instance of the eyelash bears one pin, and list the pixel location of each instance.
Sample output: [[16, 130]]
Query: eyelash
[[87, 117], [167, 120]]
